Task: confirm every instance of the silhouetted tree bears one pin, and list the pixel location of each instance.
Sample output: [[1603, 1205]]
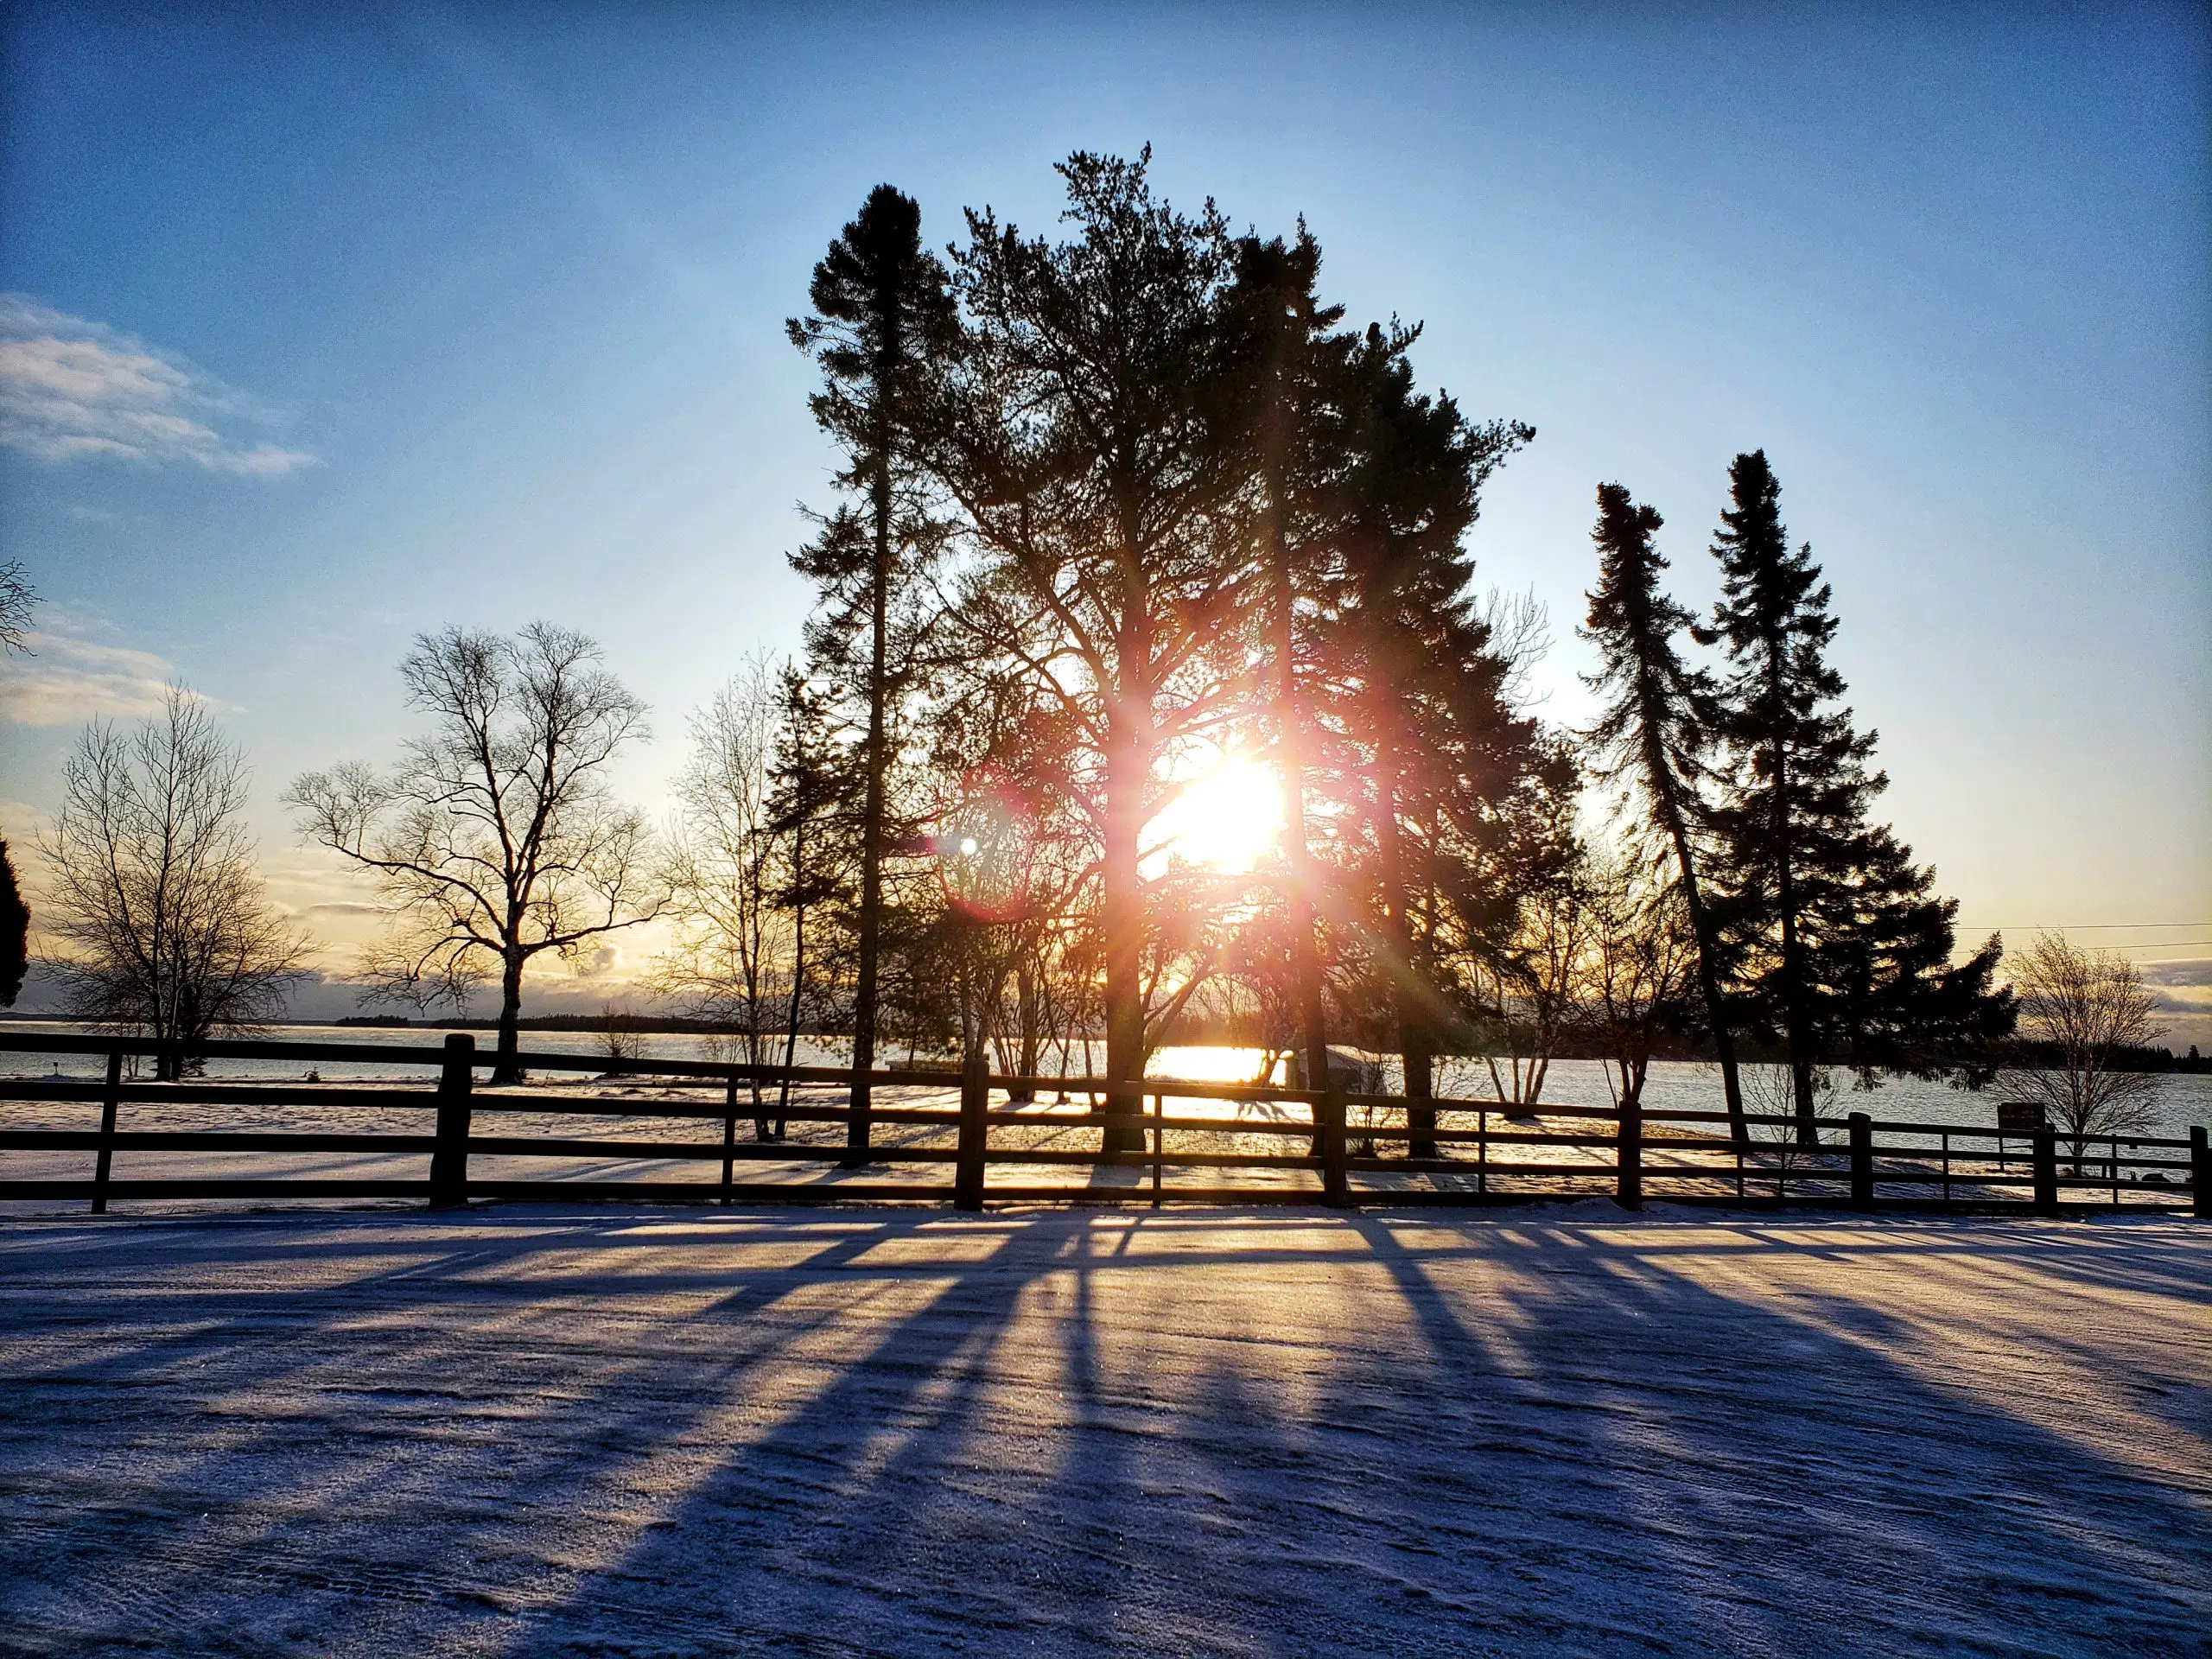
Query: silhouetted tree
[[731, 959], [1291, 355], [156, 906], [808, 783], [18, 598], [1438, 754], [495, 838], [1637, 978], [1093, 444], [1836, 935], [15, 931], [883, 323], [2091, 1009], [1654, 733]]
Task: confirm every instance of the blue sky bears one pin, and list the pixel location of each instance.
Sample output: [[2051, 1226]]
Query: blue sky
[[440, 314]]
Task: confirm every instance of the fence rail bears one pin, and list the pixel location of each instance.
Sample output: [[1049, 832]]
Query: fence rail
[[1448, 1154]]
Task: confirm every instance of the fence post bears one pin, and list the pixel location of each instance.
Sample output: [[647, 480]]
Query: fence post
[[1335, 1183], [2200, 1172], [1862, 1161], [729, 1134], [2046, 1169], [975, 1131], [1159, 1146], [106, 1160], [1629, 1194], [449, 1163]]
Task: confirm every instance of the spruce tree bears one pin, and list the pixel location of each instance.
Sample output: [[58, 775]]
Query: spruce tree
[[883, 322], [1291, 352], [1653, 730], [15, 931], [1842, 948], [1423, 693]]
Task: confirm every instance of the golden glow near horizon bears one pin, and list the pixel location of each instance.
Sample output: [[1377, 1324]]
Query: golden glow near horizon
[[1228, 819]]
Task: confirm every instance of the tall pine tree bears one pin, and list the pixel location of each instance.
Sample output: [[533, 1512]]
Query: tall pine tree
[[883, 322], [1096, 449], [1653, 731], [1291, 352], [1842, 948], [1423, 695]]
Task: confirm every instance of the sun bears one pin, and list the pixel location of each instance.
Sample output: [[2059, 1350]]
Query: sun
[[1229, 819]]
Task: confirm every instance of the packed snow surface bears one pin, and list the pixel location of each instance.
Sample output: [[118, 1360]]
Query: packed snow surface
[[842, 1432]]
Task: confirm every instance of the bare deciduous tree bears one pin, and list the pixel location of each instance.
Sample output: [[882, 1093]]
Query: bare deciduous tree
[[158, 913], [1637, 968], [727, 870], [1529, 991], [495, 837], [18, 599], [2090, 1006]]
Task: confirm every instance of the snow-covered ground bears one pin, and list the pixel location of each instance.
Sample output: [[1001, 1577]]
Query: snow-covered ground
[[836, 1431]]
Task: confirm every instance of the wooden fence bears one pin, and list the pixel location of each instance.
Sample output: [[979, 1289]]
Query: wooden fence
[[1348, 1150]]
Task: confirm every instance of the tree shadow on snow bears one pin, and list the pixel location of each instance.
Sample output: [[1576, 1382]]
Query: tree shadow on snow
[[1058, 1431]]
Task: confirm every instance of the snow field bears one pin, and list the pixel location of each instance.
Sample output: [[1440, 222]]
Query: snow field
[[558, 1431]]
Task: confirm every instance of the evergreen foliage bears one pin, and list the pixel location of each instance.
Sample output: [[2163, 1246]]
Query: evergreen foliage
[[15, 931], [1091, 440], [1291, 351], [1436, 771], [1838, 943], [1653, 734], [882, 326]]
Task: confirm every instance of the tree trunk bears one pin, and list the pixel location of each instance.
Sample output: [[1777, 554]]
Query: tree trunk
[[791, 1028], [1667, 797], [856, 1127], [1796, 1028], [1122, 900], [1305, 952], [1414, 1048], [1030, 1032], [505, 1068], [1128, 776]]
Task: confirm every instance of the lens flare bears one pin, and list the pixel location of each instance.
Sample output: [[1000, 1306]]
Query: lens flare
[[1229, 819]]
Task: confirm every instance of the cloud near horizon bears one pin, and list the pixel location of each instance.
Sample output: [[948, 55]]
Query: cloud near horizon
[[67, 680], [71, 389]]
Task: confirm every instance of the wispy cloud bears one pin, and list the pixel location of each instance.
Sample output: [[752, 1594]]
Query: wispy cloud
[[67, 680], [71, 388], [2180, 990]]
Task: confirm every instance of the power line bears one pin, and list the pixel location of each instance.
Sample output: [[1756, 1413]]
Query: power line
[[2079, 927]]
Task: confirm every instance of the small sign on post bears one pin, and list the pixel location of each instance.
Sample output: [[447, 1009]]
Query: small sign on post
[[1862, 1161], [2021, 1118]]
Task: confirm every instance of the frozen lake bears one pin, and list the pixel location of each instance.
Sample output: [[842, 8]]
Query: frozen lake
[[540, 1431], [2180, 1101]]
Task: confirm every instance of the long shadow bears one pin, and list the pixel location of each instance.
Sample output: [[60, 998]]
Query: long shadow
[[178, 1571], [1064, 1432], [831, 1532], [1793, 1487]]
